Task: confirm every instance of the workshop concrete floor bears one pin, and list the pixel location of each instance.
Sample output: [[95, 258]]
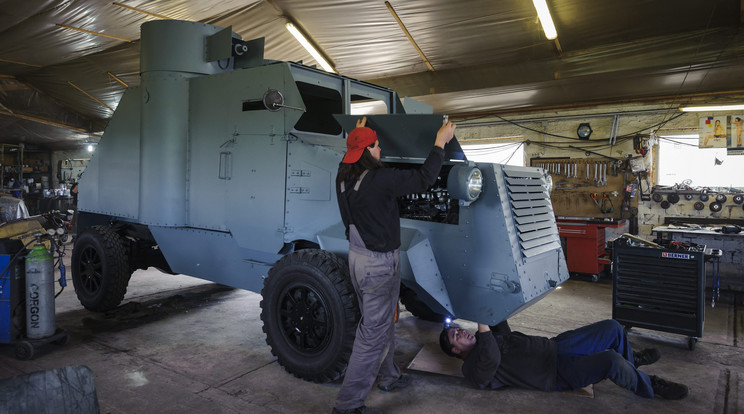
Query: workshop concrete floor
[[182, 345]]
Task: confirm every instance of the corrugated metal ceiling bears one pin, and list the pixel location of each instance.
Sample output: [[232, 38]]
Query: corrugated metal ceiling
[[487, 55]]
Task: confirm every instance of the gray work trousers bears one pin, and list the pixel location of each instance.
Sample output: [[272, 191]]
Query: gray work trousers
[[376, 279]]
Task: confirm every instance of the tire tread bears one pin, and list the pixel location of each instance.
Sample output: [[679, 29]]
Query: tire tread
[[335, 270]]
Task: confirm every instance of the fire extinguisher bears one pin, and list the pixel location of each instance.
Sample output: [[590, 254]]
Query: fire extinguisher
[[39, 293]]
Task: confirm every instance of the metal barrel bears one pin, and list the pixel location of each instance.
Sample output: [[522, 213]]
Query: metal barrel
[[39, 293]]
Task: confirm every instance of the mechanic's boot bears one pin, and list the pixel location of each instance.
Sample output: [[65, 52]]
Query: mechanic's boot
[[646, 357], [403, 381], [667, 389], [359, 410]]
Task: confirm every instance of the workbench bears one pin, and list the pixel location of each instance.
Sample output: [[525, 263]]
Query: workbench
[[585, 239]]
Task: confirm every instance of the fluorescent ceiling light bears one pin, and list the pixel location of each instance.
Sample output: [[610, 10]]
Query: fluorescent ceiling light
[[309, 47], [547, 22], [739, 107]]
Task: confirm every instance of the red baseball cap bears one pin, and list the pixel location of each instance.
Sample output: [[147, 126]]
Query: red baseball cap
[[359, 139]]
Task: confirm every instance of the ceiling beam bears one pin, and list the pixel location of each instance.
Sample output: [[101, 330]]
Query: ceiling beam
[[20, 63], [89, 95], [408, 35], [42, 121], [93, 33], [159, 16]]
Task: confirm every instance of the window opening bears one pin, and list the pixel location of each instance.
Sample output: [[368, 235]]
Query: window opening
[[362, 105], [680, 159], [511, 153], [320, 103]]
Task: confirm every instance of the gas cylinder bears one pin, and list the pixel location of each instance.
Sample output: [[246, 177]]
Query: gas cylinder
[[39, 293]]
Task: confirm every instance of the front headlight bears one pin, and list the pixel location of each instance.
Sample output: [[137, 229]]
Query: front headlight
[[475, 183], [465, 183]]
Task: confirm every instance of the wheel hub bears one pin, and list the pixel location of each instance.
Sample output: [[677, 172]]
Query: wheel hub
[[90, 267], [305, 318], [301, 318]]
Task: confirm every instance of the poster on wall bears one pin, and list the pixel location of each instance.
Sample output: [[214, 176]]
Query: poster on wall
[[713, 132], [735, 141]]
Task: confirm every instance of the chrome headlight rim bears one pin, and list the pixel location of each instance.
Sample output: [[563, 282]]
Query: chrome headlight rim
[[474, 184], [465, 183]]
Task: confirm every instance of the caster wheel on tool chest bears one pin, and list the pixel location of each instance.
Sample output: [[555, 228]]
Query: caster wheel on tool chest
[[24, 351], [691, 342], [63, 340]]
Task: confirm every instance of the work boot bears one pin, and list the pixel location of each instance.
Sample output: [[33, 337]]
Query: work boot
[[667, 389], [646, 357], [359, 410], [403, 381]]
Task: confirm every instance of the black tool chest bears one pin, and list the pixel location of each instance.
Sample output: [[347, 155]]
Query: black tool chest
[[659, 289]]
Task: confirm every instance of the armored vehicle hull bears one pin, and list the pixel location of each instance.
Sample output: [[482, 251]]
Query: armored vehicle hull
[[221, 165]]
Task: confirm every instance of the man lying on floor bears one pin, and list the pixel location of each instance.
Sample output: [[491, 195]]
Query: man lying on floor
[[496, 357]]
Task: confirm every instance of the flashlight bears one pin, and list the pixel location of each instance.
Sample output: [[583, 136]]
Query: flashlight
[[447, 322], [446, 118]]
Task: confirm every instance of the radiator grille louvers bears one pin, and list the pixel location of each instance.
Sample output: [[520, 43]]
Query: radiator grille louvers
[[532, 211]]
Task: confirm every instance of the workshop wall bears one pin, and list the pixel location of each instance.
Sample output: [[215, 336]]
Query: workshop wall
[[57, 156], [651, 213], [590, 176], [551, 141]]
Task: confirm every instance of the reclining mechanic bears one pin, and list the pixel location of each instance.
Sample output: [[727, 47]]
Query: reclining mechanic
[[496, 357]]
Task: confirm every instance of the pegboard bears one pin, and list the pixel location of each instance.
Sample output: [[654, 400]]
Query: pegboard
[[575, 180]]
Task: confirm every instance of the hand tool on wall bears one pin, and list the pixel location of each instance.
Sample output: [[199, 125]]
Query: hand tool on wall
[[604, 173], [607, 207]]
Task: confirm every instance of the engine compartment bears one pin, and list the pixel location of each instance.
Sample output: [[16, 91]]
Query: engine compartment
[[434, 205]]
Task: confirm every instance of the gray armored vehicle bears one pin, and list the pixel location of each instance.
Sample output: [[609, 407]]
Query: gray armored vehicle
[[221, 165]]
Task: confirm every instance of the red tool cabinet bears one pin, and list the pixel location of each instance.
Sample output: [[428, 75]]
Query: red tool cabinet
[[584, 240]]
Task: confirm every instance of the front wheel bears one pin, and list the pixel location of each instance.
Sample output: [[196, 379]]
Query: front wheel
[[100, 269], [417, 307], [310, 313]]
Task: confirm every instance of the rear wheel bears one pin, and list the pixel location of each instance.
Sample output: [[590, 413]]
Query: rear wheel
[[100, 269], [310, 313]]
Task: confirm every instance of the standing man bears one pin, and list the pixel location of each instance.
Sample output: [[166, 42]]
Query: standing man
[[367, 193]]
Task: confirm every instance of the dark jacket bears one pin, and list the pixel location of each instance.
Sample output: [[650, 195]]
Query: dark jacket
[[373, 209], [505, 358]]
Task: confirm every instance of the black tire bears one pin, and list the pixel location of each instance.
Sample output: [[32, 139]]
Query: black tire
[[100, 269], [413, 304], [310, 314]]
